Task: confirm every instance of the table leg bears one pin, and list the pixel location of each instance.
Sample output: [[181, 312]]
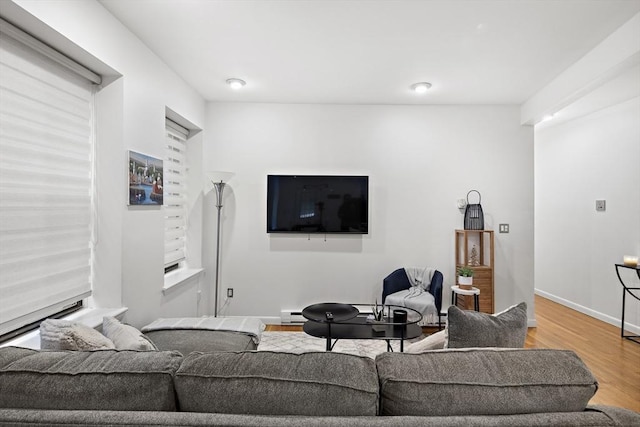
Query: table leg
[[624, 293], [476, 302], [329, 346]]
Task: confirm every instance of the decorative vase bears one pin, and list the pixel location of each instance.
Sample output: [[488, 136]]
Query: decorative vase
[[465, 282]]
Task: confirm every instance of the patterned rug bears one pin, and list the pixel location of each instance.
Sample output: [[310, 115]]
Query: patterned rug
[[299, 342]]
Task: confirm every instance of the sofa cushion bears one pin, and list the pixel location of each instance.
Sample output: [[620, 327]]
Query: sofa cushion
[[188, 340], [125, 337], [270, 383], [483, 382], [103, 379], [60, 334], [467, 328]]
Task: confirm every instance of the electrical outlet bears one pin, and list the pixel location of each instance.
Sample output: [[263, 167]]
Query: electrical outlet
[[503, 228], [601, 205], [229, 292]]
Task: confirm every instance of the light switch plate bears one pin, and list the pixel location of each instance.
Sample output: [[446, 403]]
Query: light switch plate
[[503, 228], [601, 205]]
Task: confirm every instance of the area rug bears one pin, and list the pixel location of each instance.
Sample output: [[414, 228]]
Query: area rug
[[299, 342]]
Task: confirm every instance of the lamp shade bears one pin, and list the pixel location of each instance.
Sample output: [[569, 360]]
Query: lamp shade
[[212, 177]]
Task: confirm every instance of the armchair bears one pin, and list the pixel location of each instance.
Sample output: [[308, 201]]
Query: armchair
[[399, 281]]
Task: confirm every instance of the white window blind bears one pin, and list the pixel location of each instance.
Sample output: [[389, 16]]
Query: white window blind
[[175, 194], [46, 149]]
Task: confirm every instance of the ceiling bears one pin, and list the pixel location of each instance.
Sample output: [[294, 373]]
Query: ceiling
[[370, 52]]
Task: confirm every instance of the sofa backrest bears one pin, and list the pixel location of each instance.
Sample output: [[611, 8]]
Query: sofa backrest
[[436, 383], [101, 379], [487, 381], [271, 383]]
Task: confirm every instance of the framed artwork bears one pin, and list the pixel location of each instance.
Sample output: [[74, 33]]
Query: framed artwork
[[145, 179]]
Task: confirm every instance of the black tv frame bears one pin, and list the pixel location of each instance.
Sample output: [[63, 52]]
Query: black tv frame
[[309, 227]]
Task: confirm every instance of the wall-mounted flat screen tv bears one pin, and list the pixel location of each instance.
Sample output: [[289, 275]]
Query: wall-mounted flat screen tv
[[317, 204]]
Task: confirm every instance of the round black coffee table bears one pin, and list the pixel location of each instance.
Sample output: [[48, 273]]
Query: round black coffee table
[[330, 312], [334, 321]]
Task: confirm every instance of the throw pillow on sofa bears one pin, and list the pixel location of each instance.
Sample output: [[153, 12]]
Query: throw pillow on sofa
[[467, 328], [59, 334], [435, 341], [125, 337]]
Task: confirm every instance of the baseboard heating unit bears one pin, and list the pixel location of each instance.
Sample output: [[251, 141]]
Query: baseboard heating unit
[[291, 317]]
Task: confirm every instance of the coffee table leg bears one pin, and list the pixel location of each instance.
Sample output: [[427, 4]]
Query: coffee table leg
[[329, 346]]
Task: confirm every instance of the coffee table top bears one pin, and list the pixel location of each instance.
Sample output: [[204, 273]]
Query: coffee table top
[[357, 326], [340, 312]]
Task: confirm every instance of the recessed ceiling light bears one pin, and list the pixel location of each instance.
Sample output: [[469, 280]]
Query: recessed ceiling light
[[236, 84], [421, 87]]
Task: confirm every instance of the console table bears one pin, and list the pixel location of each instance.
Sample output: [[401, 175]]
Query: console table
[[346, 322], [625, 289]]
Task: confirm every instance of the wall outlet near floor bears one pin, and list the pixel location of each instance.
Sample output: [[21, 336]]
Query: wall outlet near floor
[[503, 228], [229, 292], [601, 205]]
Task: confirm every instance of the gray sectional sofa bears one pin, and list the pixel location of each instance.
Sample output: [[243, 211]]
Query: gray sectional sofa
[[470, 387]]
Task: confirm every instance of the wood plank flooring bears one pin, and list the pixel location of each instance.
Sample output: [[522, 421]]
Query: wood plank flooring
[[614, 361]]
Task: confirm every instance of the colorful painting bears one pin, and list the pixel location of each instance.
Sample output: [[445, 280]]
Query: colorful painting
[[145, 179]]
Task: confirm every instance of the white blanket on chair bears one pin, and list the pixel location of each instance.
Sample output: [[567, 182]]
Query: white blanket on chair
[[420, 277], [417, 296]]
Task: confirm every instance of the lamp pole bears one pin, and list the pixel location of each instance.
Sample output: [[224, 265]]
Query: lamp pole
[[219, 187]]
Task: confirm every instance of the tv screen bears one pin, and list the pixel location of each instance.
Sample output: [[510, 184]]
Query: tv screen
[[317, 204]]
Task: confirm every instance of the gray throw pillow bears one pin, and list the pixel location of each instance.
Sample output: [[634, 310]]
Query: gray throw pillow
[[59, 334], [474, 329]]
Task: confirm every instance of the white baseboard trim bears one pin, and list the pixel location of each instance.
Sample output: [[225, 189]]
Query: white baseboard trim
[[275, 320], [630, 328]]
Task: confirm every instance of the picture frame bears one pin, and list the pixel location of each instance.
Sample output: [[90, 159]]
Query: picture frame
[[146, 176]]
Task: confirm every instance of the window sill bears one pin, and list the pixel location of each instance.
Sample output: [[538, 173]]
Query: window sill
[[91, 317], [178, 277]]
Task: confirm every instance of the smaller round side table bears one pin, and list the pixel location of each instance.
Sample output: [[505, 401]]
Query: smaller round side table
[[457, 290]]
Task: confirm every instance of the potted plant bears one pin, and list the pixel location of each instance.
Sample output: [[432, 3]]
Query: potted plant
[[465, 277], [378, 324]]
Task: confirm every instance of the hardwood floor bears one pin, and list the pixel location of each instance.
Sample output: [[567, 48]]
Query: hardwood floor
[[614, 361]]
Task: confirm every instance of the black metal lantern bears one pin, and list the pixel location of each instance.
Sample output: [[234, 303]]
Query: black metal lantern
[[473, 216]]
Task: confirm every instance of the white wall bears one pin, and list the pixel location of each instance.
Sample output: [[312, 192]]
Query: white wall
[[420, 160], [595, 156], [129, 255]]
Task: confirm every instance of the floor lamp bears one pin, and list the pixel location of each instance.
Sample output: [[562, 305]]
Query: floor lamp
[[218, 180]]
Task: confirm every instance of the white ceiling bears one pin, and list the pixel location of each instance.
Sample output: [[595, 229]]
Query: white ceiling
[[370, 52]]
